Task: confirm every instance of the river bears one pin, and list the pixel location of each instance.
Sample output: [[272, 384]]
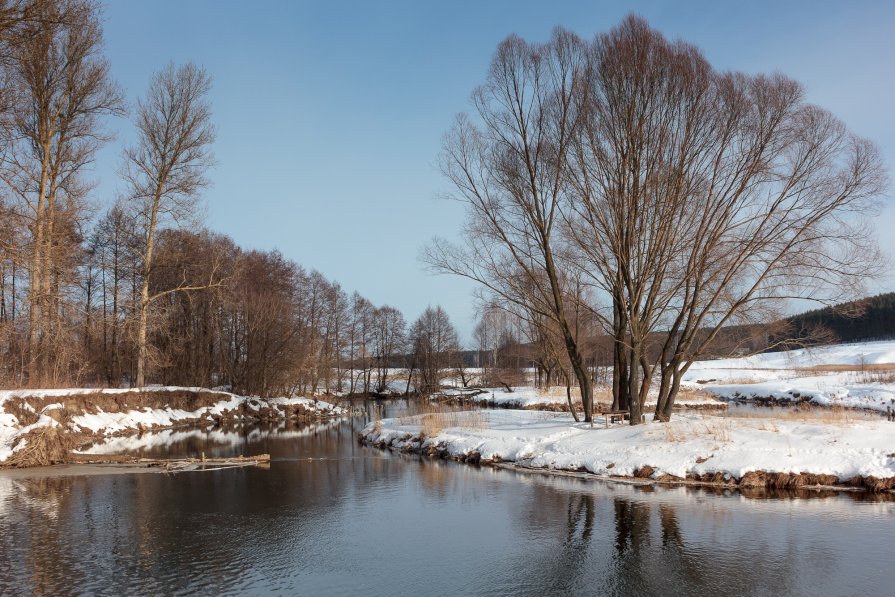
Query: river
[[332, 517]]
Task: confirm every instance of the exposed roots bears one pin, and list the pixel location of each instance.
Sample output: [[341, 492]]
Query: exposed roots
[[44, 446]]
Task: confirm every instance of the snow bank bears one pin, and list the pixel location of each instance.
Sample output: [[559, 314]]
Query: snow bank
[[522, 397], [212, 436], [788, 376], [104, 423], [534, 398], [689, 446]]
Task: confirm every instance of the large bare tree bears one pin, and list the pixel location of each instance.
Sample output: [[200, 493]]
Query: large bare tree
[[165, 171], [702, 198], [508, 166]]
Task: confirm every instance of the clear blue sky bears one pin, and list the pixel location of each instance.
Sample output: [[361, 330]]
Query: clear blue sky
[[330, 114]]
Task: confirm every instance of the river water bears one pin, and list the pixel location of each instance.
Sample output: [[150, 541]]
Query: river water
[[332, 517]]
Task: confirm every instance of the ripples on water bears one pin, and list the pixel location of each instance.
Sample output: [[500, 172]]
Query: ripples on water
[[333, 517]]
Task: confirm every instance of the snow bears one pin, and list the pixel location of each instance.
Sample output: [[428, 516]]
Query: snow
[[111, 423], [690, 443], [872, 353], [792, 375], [534, 398], [167, 437], [517, 398]]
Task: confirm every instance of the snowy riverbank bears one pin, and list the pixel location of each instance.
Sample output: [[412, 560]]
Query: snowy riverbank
[[854, 376], [84, 415], [556, 400], [739, 451], [860, 375]]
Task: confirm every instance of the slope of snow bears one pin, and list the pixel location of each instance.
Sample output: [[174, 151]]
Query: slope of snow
[[868, 353], [534, 398], [689, 444], [787, 376], [138, 419]]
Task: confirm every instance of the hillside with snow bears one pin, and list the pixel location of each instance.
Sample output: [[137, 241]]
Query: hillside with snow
[[860, 375]]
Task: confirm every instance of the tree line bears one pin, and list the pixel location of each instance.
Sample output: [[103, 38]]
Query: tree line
[[141, 293], [623, 187]]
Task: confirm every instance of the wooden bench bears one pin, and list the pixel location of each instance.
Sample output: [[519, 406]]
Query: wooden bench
[[609, 416]]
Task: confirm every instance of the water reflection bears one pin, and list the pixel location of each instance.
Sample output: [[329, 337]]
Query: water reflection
[[331, 516]]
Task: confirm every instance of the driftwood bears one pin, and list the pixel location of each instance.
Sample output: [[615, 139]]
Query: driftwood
[[173, 464]]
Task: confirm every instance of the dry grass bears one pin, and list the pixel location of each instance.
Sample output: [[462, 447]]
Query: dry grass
[[560, 392], [671, 435], [695, 395], [739, 381], [881, 367], [867, 373], [834, 415], [874, 376], [435, 417], [805, 413], [717, 429], [433, 424]]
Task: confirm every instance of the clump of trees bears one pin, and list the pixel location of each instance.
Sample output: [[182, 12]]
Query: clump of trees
[[141, 293], [624, 185]]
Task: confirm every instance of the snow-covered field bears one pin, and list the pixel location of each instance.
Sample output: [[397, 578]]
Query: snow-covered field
[[847, 375], [104, 423], [690, 445], [534, 398], [860, 375]]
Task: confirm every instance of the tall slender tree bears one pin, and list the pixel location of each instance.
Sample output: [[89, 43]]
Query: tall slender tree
[[165, 172]]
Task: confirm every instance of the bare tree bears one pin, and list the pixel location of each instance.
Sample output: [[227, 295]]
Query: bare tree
[[166, 170], [700, 199], [63, 88], [508, 169], [434, 342], [388, 339]]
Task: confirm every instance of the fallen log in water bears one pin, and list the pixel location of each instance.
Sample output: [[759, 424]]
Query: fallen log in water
[[172, 464]]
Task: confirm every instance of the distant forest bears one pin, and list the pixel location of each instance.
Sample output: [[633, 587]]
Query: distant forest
[[871, 318], [866, 319]]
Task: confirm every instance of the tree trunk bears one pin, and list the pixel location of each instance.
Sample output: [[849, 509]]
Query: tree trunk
[[569, 398], [144, 290], [677, 376], [634, 382], [34, 299]]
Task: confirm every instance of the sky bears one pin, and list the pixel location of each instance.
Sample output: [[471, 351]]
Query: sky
[[330, 114]]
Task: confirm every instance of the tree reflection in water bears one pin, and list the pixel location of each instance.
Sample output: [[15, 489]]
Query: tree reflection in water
[[333, 516]]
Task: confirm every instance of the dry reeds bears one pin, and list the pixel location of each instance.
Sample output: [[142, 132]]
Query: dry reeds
[[833, 415], [435, 417], [671, 435]]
